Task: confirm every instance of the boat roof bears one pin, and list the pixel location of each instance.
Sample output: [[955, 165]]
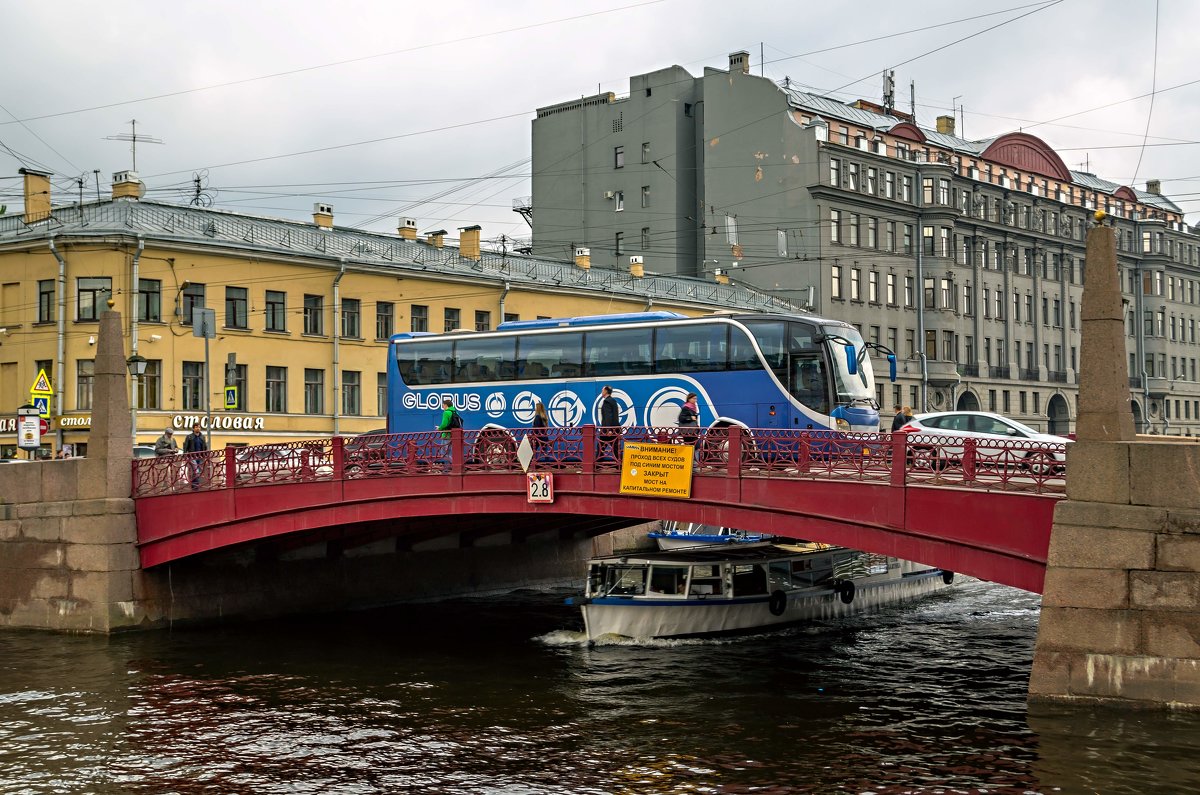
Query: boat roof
[[718, 553]]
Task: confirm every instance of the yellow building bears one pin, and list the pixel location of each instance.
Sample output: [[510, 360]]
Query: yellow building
[[301, 312]]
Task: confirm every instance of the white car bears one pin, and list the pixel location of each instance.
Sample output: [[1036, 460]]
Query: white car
[[999, 441]]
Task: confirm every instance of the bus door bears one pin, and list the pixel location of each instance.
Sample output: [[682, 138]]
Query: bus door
[[808, 372]]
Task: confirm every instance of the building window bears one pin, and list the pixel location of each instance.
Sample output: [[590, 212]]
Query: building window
[[872, 233], [619, 197], [927, 240], [381, 394], [944, 192], [835, 172], [93, 294], [149, 300], [872, 181], [385, 320], [947, 294], [193, 299], [889, 185], [835, 275], [646, 152], [314, 311], [511, 317], [889, 241], [419, 314], [855, 275], [852, 228], [891, 292], [276, 391], [908, 239], [352, 318], [909, 287], [873, 288], [193, 386], [483, 320], [618, 157], [852, 176], [835, 226], [351, 393], [645, 238], [645, 195], [46, 296], [236, 303], [148, 388], [906, 189], [452, 319], [314, 391], [618, 241], [276, 315], [85, 377]]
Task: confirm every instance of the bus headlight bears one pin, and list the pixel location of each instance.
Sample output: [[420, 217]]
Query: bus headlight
[[841, 424]]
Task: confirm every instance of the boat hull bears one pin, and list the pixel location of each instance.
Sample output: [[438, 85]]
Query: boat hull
[[679, 618]]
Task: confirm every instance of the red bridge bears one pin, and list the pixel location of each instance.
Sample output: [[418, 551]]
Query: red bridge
[[946, 502]]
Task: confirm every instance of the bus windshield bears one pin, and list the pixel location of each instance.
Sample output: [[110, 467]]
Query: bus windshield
[[861, 385]]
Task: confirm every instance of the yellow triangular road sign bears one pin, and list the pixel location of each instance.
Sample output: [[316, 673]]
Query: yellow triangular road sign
[[41, 384]]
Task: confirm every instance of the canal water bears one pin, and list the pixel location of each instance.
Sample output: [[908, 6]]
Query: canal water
[[502, 696]]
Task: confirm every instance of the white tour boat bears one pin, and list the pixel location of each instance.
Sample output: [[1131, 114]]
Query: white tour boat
[[678, 535], [711, 590]]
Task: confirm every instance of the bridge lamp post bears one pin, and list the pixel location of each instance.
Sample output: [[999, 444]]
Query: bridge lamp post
[[137, 369]]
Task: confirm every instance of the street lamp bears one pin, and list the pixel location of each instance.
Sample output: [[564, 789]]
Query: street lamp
[[137, 369]]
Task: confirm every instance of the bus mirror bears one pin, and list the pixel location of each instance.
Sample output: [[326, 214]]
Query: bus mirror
[[851, 360], [892, 366]]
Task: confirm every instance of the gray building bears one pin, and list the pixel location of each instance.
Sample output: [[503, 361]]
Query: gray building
[[965, 257]]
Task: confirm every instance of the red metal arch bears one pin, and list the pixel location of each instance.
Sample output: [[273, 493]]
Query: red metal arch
[[992, 535]]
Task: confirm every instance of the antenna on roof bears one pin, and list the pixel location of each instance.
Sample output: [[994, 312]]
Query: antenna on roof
[[912, 99], [133, 139], [889, 92]]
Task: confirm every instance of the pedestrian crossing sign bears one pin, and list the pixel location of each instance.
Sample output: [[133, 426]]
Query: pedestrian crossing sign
[[41, 384], [42, 404], [231, 401]]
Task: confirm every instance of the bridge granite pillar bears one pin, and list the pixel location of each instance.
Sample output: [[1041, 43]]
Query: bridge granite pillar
[[1120, 619], [68, 535]]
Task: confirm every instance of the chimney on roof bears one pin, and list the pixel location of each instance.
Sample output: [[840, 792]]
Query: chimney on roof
[[635, 267], [126, 185], [1152, 186], [407, 228], [37, 195], [436, 238], [583, 258], [739, 62], [945, 124], [323, 215], [468, 242]]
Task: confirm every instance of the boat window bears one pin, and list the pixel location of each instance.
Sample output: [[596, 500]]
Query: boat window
[[622, 352], [625, 581], [691, 348], [595, 583], [668, 579], [749, 579], [779, 575], [706, 581]]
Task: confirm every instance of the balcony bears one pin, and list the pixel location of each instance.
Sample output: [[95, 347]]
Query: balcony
[[998, 372], [969, 370], [1028, 375], [1135, 382], [1058, 376]]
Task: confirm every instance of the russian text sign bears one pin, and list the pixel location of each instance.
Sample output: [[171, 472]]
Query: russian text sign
[[657, 470], [541, 486]]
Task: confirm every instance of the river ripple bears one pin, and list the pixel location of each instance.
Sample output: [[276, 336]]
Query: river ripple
[[502, 696]]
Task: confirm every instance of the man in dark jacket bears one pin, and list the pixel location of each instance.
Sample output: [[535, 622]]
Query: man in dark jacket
[[610, 422], [195, 443], [899, 420]]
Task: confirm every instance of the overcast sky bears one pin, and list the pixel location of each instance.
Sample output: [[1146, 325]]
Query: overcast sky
[[398, 99]]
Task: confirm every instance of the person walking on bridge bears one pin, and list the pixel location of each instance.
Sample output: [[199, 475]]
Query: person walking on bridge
[[194, 443], [610, 423]]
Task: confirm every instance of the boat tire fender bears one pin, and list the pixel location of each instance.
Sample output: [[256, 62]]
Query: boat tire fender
[[947, 577], [846, 591], [777, 603]]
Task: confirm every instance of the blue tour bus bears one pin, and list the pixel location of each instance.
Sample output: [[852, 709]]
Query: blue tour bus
[[752, 370]]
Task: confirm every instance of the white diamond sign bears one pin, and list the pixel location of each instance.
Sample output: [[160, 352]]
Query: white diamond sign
[[525, 454]]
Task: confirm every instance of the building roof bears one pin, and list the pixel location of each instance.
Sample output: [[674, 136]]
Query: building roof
[[182, 224], [881, 122]]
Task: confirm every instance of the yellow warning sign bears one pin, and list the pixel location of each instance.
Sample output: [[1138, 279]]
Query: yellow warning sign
[[657, 470], [41, 384]]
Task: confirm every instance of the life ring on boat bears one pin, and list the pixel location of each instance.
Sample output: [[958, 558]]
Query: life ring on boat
[[777, 603], [846, 589], [947, 577]]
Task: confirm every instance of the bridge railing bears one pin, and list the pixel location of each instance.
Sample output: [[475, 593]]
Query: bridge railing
[[899, 458]]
